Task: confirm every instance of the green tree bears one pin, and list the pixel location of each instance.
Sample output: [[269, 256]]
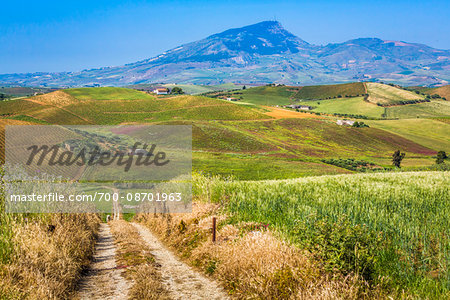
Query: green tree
[[397, 158], [177, 90], [441, 156], [244, 87]]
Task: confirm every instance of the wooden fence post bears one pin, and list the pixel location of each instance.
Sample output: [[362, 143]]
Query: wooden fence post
[[214, 229]]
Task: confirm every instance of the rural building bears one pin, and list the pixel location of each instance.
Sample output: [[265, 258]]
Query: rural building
[[161, 91], [302, 107], [345, 122], [231, 99]]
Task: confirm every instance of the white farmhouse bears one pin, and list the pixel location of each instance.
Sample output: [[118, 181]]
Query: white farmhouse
[[345, 122], [161, 91]]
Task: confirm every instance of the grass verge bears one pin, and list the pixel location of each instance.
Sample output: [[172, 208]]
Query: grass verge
[[248, 259], [46, 254]]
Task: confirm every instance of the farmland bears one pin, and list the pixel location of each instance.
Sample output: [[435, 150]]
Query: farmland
[[331, 91], [354, 106], [430, 133], [239, 134], [261, 95], [191, 89], [389, 95], [443, 91], [326, 229], [434, 108], [399, 222]]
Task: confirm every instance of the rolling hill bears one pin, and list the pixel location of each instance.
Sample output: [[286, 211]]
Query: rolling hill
[[443, 91], [387, 95], [243, 140], [382, 100], [264, 53], [353, 89]]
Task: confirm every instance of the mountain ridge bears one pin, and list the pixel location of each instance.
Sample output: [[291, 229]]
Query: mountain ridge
[[265, 52]]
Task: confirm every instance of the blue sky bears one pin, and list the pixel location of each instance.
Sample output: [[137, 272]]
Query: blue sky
[[74, 35]]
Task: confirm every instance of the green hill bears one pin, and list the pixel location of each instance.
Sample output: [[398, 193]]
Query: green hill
[[120, 105], [384, 94], [353, 106], [430, 133], [314, 92], [240, 140], [108, 93]]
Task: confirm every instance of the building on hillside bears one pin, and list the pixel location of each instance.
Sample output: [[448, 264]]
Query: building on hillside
[[345, 122], [231, 99], [161, 91], [295, 106]]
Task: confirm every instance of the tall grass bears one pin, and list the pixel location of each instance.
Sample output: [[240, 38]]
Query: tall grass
[[6, 244], [42, 255], [393, 229]]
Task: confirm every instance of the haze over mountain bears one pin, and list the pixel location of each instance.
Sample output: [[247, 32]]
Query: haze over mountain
[[264, 53]]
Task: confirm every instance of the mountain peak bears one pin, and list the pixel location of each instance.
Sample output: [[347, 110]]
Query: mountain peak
[[264, 38], [267, 52], [262, 29]]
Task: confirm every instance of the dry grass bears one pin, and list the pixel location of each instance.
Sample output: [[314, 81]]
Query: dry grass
[[58, 98], [389, 95], [281, 113], [250, 264], [141, 268], [47, 263]]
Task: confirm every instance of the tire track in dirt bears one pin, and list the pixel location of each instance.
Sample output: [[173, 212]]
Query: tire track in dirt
[[104, 280], [181, 281]]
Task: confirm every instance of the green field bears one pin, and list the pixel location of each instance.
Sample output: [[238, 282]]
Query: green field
[[232, 136], [330, 91], [258, 167], [312, 138], [107, 106], [191, 89], [354, 106], [389, 95], [108, 93], [430, 133], [392, 226], [434, 108], [266, 95]]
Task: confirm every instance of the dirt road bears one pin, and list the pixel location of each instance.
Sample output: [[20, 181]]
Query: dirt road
[[180, 280], [104, 280]]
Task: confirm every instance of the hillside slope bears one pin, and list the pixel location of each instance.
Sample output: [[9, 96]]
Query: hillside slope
[[119, 105], [246, 141], [443, 91]]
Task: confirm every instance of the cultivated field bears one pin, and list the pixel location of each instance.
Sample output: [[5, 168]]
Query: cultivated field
[[354, 106], [443, 91], [389, 95], [394, 225], [283, 231], [270, 137], [331, 91], [379, 235]]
